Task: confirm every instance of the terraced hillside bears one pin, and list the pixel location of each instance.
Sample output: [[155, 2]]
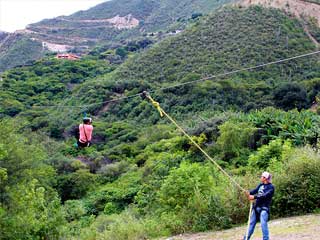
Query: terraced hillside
[[108, 23]]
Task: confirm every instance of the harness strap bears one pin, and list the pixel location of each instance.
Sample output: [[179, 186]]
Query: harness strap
[[84, 130]]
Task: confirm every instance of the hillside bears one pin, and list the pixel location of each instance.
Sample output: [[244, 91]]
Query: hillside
[[299, 8], [224, 41], [3, 35], [306, 11], [141, 178], [154, 15], [109, 23], [17, 49], [216, 44]]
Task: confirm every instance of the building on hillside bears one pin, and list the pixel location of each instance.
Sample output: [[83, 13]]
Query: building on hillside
[[68, 56]]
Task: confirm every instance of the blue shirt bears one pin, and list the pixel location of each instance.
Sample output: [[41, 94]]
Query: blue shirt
[[263, 194]]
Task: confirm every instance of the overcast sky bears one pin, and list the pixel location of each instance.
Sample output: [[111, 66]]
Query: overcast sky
[[16, 14]]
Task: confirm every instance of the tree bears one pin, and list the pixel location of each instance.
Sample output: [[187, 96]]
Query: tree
[[234, 137], [122, 52], [29, 206], [269, 154], [290, 95], [194, 194]]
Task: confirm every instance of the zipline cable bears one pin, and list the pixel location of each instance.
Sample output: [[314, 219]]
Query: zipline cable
[[242, 70], [189, 82]]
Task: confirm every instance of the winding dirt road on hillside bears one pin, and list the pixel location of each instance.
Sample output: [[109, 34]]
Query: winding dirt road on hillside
[[294, 228]]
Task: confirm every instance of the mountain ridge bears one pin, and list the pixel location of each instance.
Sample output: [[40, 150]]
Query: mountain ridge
[[109, 22]]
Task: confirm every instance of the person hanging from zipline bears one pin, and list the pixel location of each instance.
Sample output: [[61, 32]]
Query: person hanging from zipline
[[85, 133], [263, 194]]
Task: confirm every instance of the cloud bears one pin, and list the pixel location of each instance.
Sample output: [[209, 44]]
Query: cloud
[[16, 14]]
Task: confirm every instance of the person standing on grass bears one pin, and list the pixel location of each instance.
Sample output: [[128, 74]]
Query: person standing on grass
[[263, 194]]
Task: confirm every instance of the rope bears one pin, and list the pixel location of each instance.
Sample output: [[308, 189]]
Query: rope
[[154, 103], [162, 112], [190, 82], [249, 219]]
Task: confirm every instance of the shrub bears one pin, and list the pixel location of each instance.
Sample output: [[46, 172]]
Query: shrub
[[112, 171], [290, 95], [75, 185], [234, 137], [195, 198], [124, 226], [298, 184], [268, 154], [110, 208], [120, 193], [74, 209]]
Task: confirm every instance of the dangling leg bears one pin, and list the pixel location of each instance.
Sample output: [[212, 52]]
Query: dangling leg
[[264, 224], [253, 222], [81, 145]]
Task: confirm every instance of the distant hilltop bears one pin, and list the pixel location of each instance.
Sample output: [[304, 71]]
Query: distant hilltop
[[307, 11], [115, 23], [125, 22], [299, 8], [110, 23]]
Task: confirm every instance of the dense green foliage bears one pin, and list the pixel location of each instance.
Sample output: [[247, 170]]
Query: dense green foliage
[[29, 206], [142, 178], [47, 81], [179, 191], [297, 191], [19, 50]]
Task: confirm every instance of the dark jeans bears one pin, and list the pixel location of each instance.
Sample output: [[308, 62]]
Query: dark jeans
[[82, 145]]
